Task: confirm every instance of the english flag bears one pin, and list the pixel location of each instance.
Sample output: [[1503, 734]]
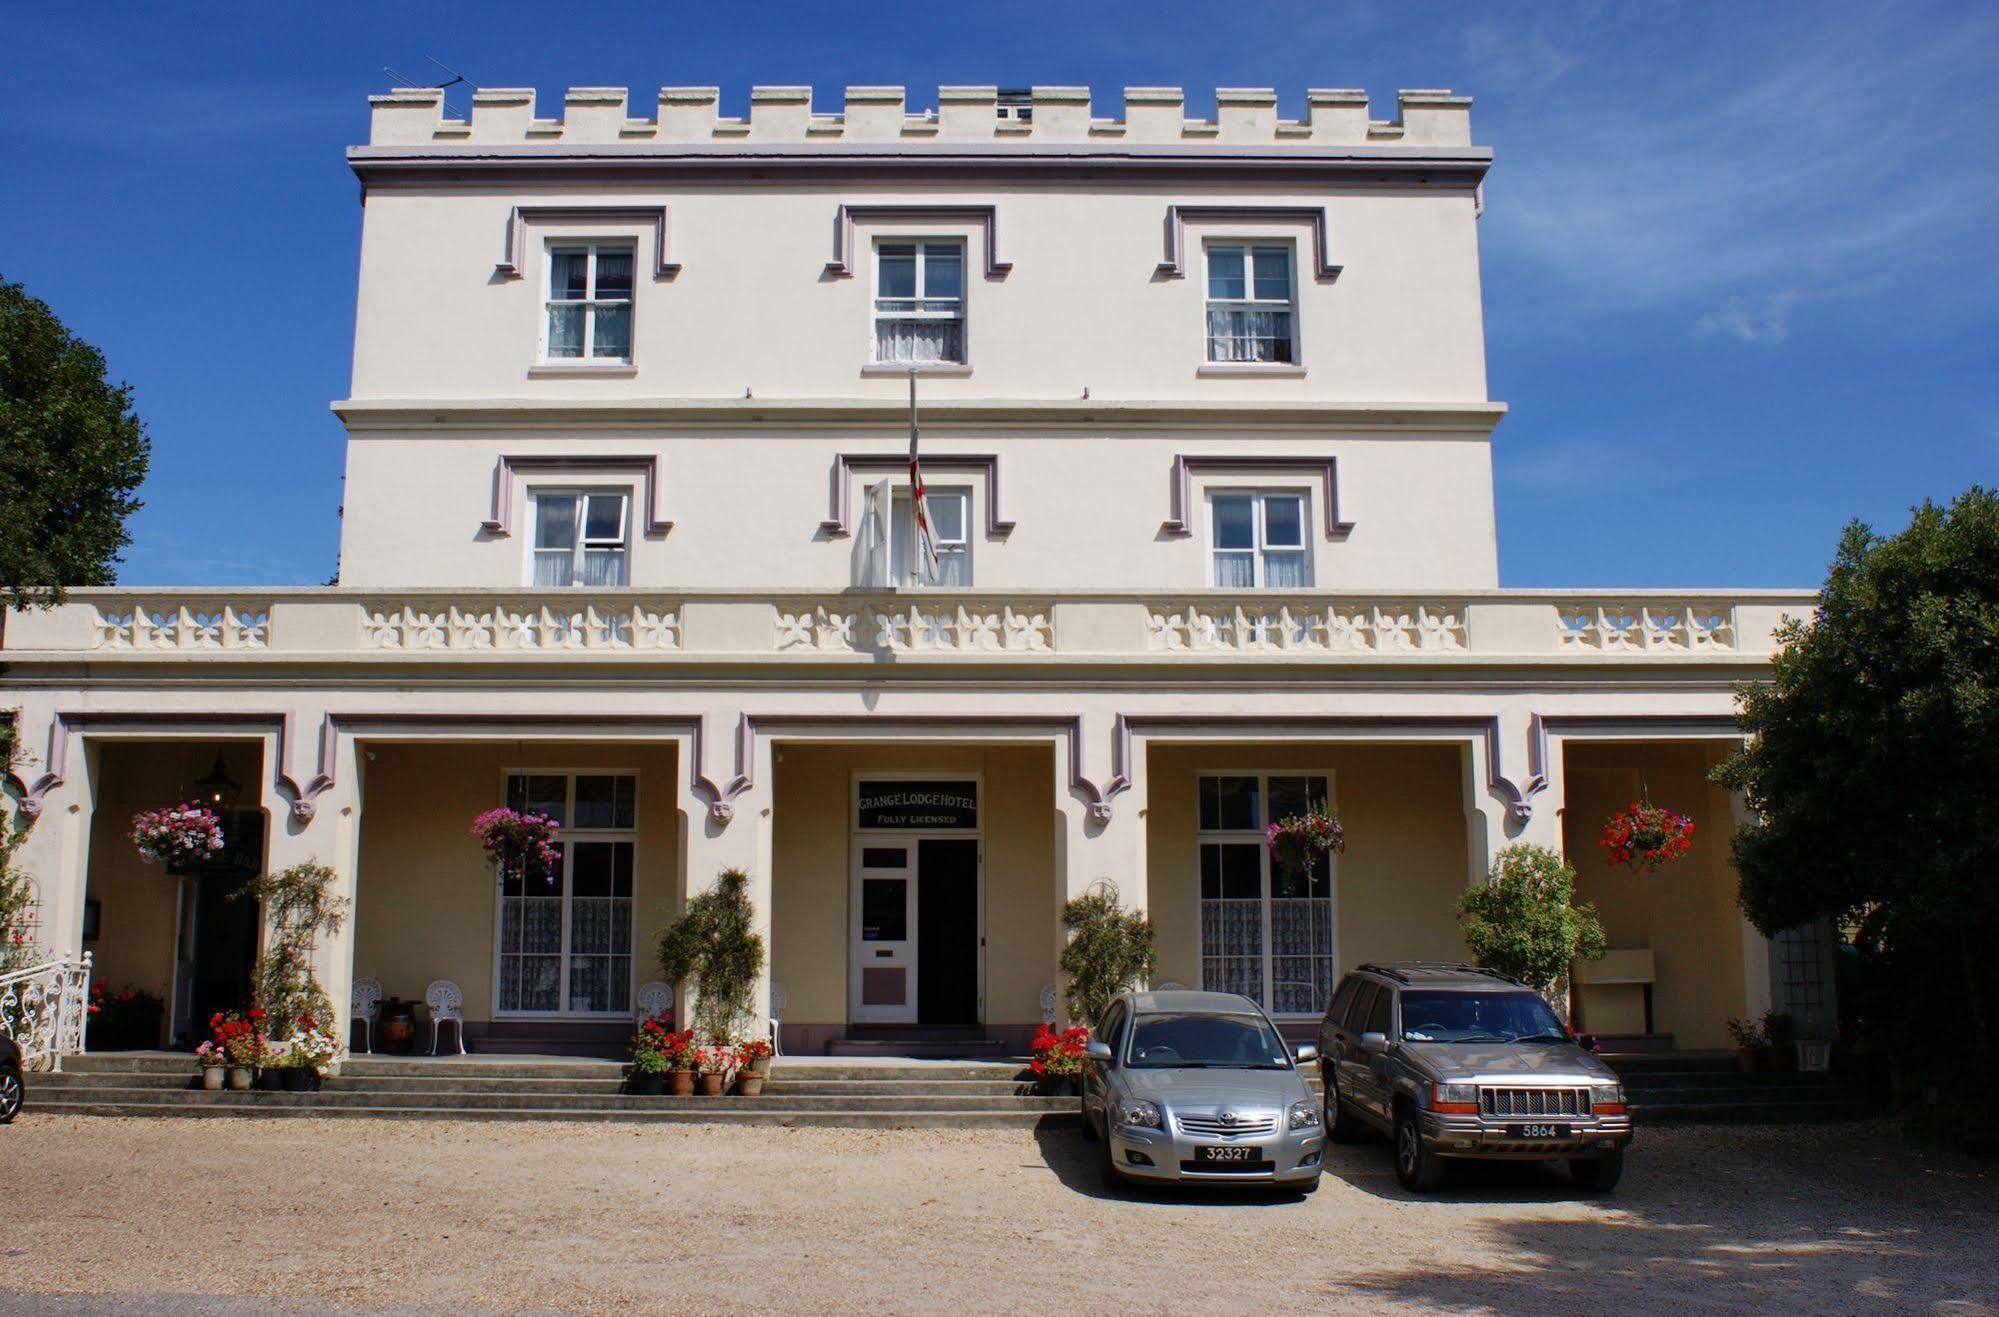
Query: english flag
[[919, 509]]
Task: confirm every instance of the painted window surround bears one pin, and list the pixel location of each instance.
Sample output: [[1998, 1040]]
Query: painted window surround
[[1181, 498], [650, 492]]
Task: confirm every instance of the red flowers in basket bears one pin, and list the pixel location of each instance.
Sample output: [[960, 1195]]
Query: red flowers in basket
[[1058, 1053], [1642, 836], [520, 843], [237, 1037]]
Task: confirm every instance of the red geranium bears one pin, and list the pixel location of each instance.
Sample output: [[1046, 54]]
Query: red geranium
[[1642, 836], [1059, 1053]]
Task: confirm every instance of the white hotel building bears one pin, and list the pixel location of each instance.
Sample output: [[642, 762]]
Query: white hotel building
[[1208, 442]]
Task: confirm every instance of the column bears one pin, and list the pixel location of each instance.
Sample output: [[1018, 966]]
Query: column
[[54, 851], [728, 834], [1758, 962], [326, 830], [1095, 841]]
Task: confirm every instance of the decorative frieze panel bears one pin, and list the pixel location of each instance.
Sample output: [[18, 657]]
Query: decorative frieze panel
[[1322, 628], [584, 627], [186, 627], [1635, 628], [939, 627]]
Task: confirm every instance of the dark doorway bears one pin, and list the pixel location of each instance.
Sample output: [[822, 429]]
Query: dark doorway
[[947, 931], [216, 952]]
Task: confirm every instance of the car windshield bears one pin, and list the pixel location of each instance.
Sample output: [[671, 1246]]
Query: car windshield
[[1222, 1042], [1473, 1017]]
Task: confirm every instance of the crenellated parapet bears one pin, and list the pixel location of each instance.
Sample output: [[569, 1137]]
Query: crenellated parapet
[[687, 116]]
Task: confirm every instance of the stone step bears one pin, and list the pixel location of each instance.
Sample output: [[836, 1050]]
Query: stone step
[[954, 1049], [719, 1112], [334, 1097]]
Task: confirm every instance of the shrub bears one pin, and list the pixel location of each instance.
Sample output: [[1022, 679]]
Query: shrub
[[714, 950], [1110, 949], [1523, 919], [299, 905]]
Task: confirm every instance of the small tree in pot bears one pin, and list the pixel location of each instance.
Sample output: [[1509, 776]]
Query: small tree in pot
[[714, 950], [1523, 920], [1110, 949]]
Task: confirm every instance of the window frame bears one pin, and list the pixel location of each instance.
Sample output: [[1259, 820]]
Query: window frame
[[590, 301], [582, 494], [1248, 247], [901, 545], [1266, 878], [1259, 497], [962, 317], [567, 834]]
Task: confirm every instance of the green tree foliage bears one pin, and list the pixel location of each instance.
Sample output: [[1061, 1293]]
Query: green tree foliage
[[299, 905], [72, 453], [1524, 920], [1872, 770], [1110, 950], [714, 950]]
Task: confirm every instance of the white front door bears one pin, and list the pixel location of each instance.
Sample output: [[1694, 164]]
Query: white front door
[[883, 978]]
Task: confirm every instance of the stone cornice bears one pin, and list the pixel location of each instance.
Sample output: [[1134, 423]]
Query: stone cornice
[[402, 413]]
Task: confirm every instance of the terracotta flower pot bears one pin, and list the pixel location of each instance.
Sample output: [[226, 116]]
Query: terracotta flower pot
[[750, 1084], [680, 1083], [239, 1078], [760, 1066], [1749, 1059], [212, 1077], [708, 1083]]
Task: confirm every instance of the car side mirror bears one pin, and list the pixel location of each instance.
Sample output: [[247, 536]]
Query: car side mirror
[[1374, 1041], [1307, 1052], [1097, 1051]]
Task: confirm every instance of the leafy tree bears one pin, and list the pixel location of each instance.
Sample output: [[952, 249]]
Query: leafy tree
[[713, 949], [72, 453], [1524, 920], [299, 904], [1872, 770], [1110, 950]]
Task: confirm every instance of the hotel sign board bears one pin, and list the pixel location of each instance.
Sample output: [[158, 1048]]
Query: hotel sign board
[[919, 806]]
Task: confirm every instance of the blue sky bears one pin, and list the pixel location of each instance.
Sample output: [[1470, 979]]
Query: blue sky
[[1741, 261]]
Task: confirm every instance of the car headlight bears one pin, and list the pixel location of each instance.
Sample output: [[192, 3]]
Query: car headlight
[[1137, 1111], [1455, 1099], [1304, 1115], [1606, 1098]]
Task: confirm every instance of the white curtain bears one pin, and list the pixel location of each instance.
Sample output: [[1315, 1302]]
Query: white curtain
[[1284, 569], [1241, 334], [1235, 570], [918, 341]]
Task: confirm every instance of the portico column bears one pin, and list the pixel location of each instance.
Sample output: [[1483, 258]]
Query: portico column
[[731, 833], [54, 851], [1098, 840], [1758, 965], [1506, 801], [326, 830]]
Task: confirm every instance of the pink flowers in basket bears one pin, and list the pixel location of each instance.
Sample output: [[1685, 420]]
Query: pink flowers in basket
[[188, 831], [519, 842], [1295, 840]]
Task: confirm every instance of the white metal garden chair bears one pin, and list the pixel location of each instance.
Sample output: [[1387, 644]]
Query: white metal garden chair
[[364, 1005], [654, 997], [779, 998], [446, 1001]]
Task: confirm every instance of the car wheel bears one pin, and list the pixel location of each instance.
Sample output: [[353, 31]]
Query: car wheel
[[1107, 1166], [1342, 1126], [1597, 1175], [1419, 1169], [10, 1094]]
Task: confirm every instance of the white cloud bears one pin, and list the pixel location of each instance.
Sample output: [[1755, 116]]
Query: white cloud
[[1766, 321], [1509, 58]]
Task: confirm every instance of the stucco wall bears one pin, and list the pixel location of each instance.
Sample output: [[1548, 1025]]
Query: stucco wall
[[1397, 885], [426, 904], [1686, 913], [136, 945], [811, 927]]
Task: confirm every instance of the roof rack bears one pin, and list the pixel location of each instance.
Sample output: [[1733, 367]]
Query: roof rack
[[1395, 970]]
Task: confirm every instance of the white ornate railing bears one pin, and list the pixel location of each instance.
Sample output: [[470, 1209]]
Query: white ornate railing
[[43, 1008], [181, 626], [1327, 628], [966, 627], [1614, 628], [585, 626]]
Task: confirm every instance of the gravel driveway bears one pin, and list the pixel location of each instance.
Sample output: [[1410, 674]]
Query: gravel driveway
[[198, 1215]]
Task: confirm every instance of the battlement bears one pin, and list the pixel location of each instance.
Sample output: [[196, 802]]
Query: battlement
[[1244, 116]]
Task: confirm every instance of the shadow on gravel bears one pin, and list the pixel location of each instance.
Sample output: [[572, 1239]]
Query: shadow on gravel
[[1074, 1162], [1369, 1167]]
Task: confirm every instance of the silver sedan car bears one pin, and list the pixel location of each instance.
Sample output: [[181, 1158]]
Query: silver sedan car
[[1198, 1087]]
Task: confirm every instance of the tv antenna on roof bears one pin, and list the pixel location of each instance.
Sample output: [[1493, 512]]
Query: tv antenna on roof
[[403, 80]]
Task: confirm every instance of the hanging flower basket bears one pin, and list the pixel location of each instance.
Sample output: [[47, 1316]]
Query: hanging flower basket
[[187, 831], [1642, 836], [519, 843], [1297, 839]]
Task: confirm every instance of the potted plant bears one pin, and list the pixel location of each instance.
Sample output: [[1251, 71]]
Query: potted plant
[[677, 1050], [121, 1019], [239, 1037], [188, 831], [713, 949], [1780, 1038], [1642, 836], [1109, 950], [650, 1059], [1301, 838], [1751, 1043], [311, 1051], [519, 843], [214, 1065], [753, 1066], [1058, 1059], [712, 1063]]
